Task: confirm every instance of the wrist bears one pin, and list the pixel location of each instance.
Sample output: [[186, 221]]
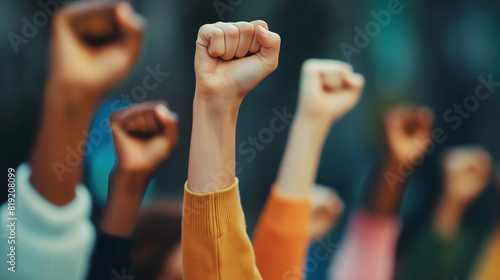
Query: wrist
[[127, 186], [447, 217], [70, 93], [317, 127], [215, 109]]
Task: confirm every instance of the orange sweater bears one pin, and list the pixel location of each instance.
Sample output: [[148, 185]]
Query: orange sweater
[[281, 238], [488, 264], [215, 244]]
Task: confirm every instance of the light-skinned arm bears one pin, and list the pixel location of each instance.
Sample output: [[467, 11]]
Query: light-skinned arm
[[231, 59], [328, 90]]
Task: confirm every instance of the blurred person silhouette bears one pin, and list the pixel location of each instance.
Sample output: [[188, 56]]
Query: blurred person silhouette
[[156, 249], [93, 47], [328, 90], [144, 136], [448, 247], [486, 266], [368, 248], [230, 60]]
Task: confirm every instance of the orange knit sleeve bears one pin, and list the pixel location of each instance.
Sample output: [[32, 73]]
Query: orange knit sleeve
[[215, 244], [487, 267], [281, 238]]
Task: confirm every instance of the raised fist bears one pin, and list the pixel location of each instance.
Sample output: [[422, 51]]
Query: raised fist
[[326, 209], [144, 135], [94, 45], [467, 172], [232, 58], [408, 132], [328, 89]]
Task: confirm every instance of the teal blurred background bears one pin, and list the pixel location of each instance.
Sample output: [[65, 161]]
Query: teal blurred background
[[430, 52]]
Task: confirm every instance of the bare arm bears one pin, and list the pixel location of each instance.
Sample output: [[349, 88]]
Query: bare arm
[[408, 135], [329, 89], [72, 93]]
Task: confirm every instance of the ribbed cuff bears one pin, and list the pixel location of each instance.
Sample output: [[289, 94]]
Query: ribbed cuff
[[282, 214], [213, 213], [43, 216]]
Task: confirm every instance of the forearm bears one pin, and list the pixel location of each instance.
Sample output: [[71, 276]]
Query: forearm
[[299, 165], [60, 145], [387, 192], [125, 196], [212, 152], [447, 218]]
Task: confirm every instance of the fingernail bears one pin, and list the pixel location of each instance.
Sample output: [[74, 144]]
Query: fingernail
[[264, 31], [162, 111]]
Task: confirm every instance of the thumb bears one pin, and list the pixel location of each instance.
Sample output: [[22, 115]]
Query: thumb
[[131, 25], [355, 81], [119, 135], [169, 121], [163, 115], [270, 45]]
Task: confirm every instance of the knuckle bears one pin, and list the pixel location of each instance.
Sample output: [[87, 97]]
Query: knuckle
[[232, 31], [246, 28], [217, 33], [310, 65], [204, 28]]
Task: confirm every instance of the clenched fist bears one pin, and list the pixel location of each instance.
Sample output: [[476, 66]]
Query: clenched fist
[[327, 207], [94, 46], [232, 58], [144, 135], [328, 89], [467, 172], [408, 132]]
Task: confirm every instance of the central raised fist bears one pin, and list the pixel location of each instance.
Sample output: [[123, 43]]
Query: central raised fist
[[232, 58]]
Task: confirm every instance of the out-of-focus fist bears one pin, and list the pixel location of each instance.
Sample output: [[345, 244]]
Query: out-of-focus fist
[[328, 89], [408, 132], [467, 172], [94, 45], [144, 136], [232, 58], [326, 209]]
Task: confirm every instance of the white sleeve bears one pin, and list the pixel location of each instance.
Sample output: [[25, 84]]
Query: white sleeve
[[51, 242]]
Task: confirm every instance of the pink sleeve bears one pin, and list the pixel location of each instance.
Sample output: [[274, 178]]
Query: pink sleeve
[[368, 249]]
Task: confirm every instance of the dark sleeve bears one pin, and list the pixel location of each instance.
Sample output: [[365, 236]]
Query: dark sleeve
[[435, 258], [111, 257]]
